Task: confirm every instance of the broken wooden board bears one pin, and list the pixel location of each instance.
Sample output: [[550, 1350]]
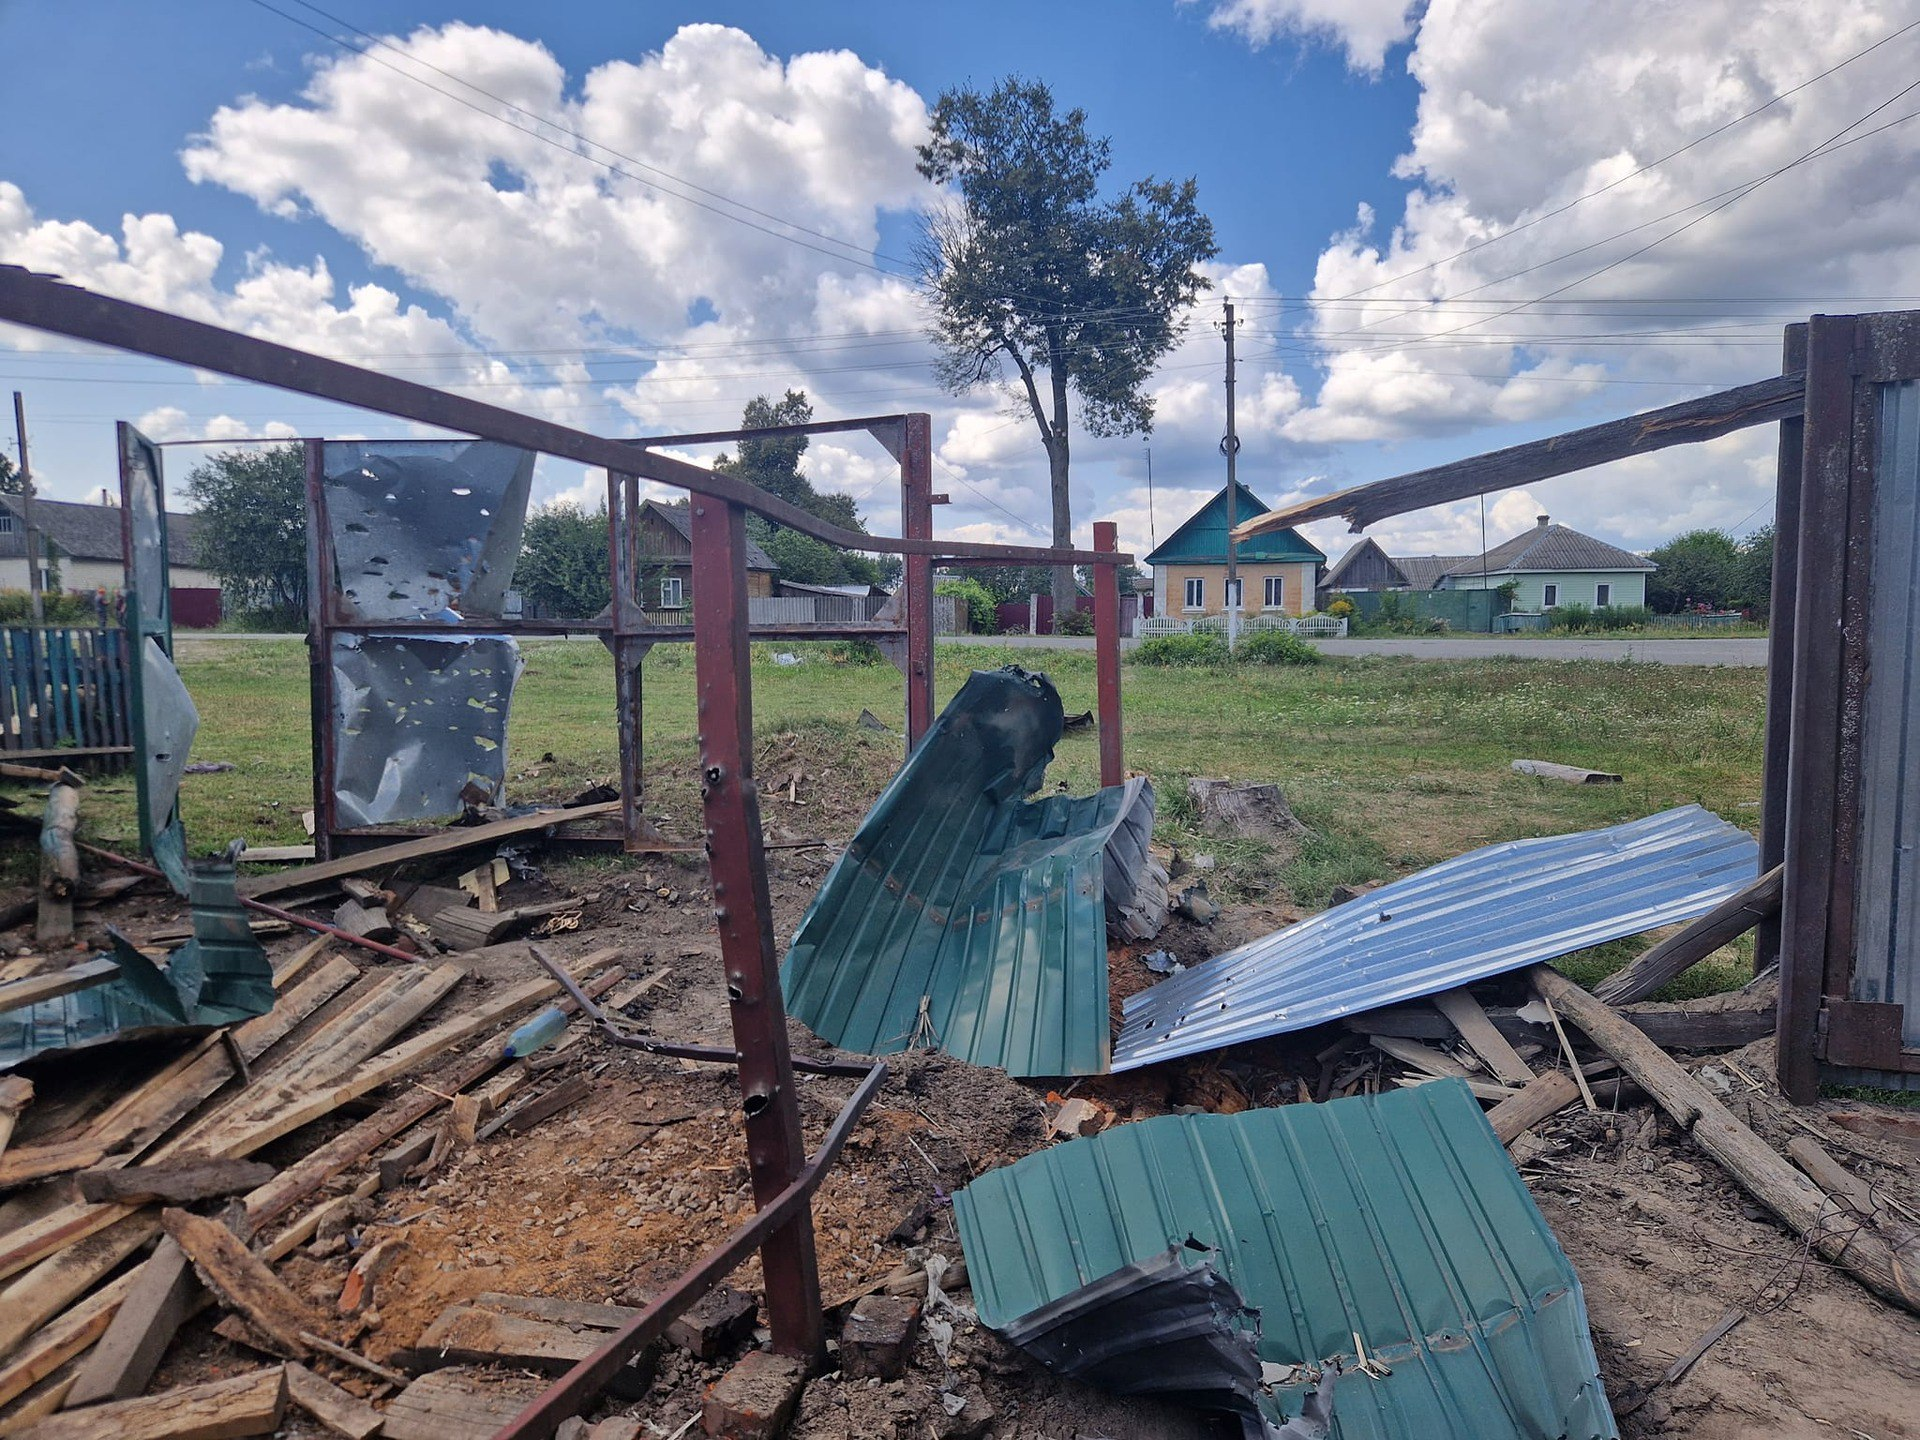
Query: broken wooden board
[[226, 1267], [275, 854], [16, 1093], [1570, 774], [34, 1242], [164, 1295], [1431, 1062], [454, 1404], [1672, 957], [531, 1112], [218, 1410], [61, 1340], [1464, 1013], [469, 1334], [466, 928], [31, 991], [447, 842], [36, 1297], [1547, 1095], [330, 1405], [174, 1183]]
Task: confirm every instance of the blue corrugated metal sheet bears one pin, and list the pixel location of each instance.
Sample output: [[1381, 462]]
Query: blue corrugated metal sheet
[[962, 915], [1398, 1219], [1479, 914], [219, 977]]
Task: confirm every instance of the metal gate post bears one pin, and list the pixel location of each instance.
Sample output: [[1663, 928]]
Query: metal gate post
[[320, 583], [737, 863], [1106, 653], [916, 521], [628, 651], [1782, 588]]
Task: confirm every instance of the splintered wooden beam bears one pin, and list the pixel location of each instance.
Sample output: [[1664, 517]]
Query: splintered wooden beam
[[34, 1298], [175, 1183], [1707, 418], [164, 1295], [1485, 1040], [243, 1281], [219, 1410], [330, 1405], [1668, 960], [58, 1342]]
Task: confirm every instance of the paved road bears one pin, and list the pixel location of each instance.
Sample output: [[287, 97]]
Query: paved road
[[1747, 654]]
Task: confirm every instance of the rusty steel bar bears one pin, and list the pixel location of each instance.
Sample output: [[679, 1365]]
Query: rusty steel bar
[[1106, 654], [43, 302], [260, 907], [743, 912], [873, 424], [916, 518], [574, 1391]]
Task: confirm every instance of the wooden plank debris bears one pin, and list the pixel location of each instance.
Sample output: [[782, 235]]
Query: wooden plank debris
[[252, 1404], [1545, 1096], [59, 864], [529, 1113], [31, 1243], [61, 1340], [330, 1405], [16, 1093], [275, 854], [464, 928], [447, 842], [40, 1294], [1569, 774], [243, 1282], [454, 1405], [88, 973], [1670, 958], [1485, 1040], [1886, 1262], [176, 1183], [164, 1295]]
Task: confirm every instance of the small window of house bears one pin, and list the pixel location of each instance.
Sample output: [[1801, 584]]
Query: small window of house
[[1196, 593], [6, 522], [1603, 595], [1276, 592], [673, 593], [1549, 596]]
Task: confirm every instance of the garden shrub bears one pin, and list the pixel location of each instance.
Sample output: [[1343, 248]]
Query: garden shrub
[[982, 612], [1203, 648], [1275, 647], [1074, 622]]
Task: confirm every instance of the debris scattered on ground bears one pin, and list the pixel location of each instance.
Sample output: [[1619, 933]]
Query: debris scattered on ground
[[1570, 774]]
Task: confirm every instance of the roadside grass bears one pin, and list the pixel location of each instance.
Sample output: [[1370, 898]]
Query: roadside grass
[[1392, 763]]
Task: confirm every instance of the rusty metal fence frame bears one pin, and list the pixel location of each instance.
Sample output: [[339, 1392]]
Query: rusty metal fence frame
[[782, 1175]]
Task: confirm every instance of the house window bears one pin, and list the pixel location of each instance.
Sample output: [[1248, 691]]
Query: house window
[[1276, 596], [1603, 595], [1549, 596], [673, 593], [1236, 593], [1196, 593], [6, 522]]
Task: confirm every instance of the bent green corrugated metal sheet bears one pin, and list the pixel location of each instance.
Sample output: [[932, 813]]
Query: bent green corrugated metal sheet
[[962, 915], [1397, 1218]]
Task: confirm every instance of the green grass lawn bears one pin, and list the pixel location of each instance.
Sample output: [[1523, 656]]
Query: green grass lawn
[[1393, 763]]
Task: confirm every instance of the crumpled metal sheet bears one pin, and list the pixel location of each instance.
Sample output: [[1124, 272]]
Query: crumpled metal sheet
[[1483, 913], [170, 722], [425, 529], [418, 720], [219, 977], [963, 916], [1396, 1218]]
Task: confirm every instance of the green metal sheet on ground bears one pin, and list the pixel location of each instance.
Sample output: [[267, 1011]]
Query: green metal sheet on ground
[[964, 916], [1398, 1218]]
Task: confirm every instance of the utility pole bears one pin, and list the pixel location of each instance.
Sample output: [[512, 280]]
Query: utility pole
[[26, 509], [1230, 446]]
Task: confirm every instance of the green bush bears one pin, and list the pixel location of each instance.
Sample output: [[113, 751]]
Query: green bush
[[852, 652], [1574, 618], [1074, 622], [982, 613], [60, 608], [1622, 617], [1203, 648], [1275, 647]]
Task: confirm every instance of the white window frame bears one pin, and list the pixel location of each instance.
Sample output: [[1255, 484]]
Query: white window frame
[[1196, 593], [1274, 592], [6, 522], [673, 592], [1549, 596], [1602, 595]]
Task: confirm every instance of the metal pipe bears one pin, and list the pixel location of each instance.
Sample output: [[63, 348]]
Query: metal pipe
[[318, 927]]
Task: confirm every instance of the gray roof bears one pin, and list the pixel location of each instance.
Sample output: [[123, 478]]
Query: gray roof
[[1423, 572], [678, 516], [1553, 547], [92, 532]]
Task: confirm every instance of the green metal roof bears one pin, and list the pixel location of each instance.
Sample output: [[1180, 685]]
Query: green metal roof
[[1398, 1218], [1202, 540], [963, 916]]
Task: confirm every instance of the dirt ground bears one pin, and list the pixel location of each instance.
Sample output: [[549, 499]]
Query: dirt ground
[[631, 1185]]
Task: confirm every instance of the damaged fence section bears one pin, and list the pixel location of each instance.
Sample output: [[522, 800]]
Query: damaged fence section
[[1381, 1255], [1480, 914], [967, 918]]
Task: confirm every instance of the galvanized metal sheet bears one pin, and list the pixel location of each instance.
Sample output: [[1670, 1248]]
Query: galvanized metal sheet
[[1479, 914], [418, 719], [1398, 1219], [963, 916]]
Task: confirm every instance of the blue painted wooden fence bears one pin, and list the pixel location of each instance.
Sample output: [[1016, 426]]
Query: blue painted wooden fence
[[64, 689]]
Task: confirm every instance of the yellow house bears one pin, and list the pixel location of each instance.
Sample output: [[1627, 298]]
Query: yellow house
[[1277, 569]]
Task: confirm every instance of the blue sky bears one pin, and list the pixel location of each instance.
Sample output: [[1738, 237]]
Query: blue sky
[[1292, 114]]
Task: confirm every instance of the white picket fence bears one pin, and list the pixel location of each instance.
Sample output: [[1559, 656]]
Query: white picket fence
[[1324, 627]]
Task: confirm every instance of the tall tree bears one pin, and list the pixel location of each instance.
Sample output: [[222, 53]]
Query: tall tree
[[1699, 567], [253, 532], [1031, 267], [11, 481], [562, 570], [773, 464], [1756, 572]]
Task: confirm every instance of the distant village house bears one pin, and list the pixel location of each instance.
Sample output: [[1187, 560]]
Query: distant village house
[[1277, 568], [81, 553], [1549, 566]]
